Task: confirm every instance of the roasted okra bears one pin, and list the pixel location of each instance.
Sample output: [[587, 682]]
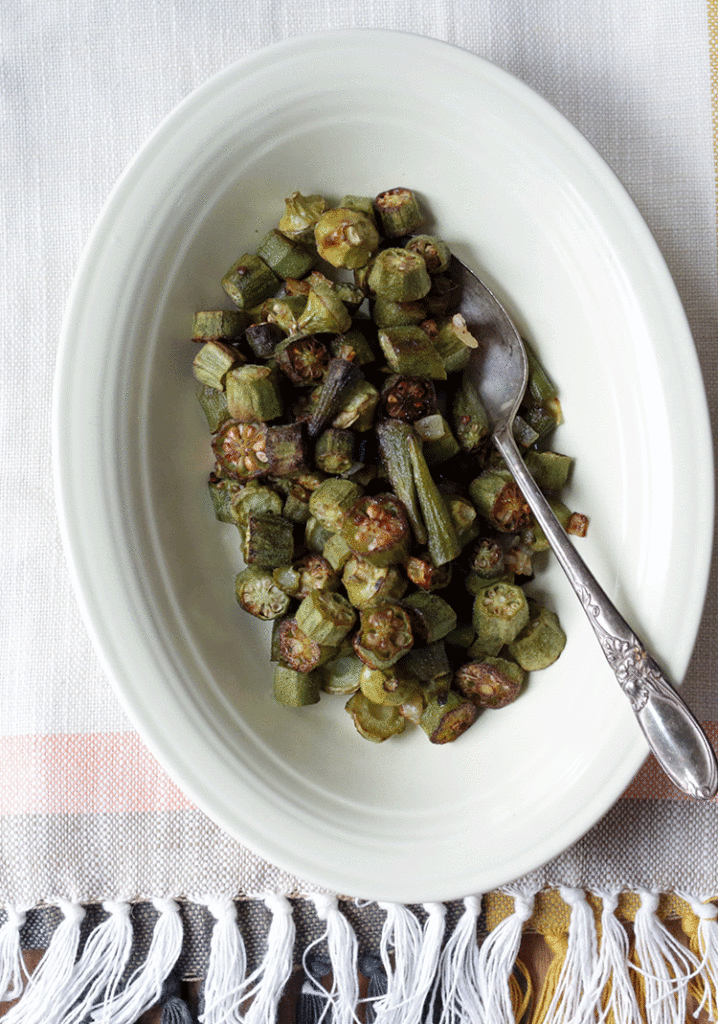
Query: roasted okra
[[381, 534]]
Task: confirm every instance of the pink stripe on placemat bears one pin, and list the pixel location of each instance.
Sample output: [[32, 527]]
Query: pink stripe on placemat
[[84, 773]]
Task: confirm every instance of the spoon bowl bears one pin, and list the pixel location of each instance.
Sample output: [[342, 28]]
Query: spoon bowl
[[498, 374]]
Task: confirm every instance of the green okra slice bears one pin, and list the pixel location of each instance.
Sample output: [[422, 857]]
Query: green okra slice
[[470, 420], [341, 674], [433, 250], [315, 573], [422, 572], [213, 362], [574, 523], [354, 346], [334, 450], [214, 406], [463, 636], [240, 449], [324, 312], [385, 635], [399, 275], [474, 582], [367, 584], [500, 613], [393, 437], [410, 350], [541, 390], [429, 663], [315, 535], [376, 528], [257, 593], [549, 469], [335, 395], [433, 617], [269, 540], [249, 281], [223, 325], [497, 498], [295, 689], [357, 406], [439, 441], [346, 238], [337, 552], [375, 722], [442, 540], [282, 312], [490, 682], [390, 313], [447, 718], [387, 686], [286, 256], [286, 449], [487, 558], [300, 215], [325, 616], [362, 204], [331, 500], [540, 642], [222, 493], [398, 212], [254, 499], [253, 394], [454, 342], [464, 517]]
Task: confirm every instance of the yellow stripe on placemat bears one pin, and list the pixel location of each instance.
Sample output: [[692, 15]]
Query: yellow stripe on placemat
[[551, 914]]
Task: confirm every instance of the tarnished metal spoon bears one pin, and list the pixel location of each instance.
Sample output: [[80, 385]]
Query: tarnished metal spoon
[[498, 369]]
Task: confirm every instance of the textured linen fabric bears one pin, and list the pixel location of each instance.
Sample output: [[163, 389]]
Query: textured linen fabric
[[85, 812]]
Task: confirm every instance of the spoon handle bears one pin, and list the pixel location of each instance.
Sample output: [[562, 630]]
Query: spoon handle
[[675, 737]]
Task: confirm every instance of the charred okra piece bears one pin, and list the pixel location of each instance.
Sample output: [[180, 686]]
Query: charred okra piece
[[340, 380], [225, 326], [445, 719], [240, 449], [304, 360], [269, 540], [213, 362], [325, 616], [334, 451], [252, 394], [464, 517], [424, 574], [433, 617], [315, 536], [331, 500], [249, 281], [375, 722], [341, 674], [540, 642], [263, 339], [433, 250], [393, 437], [258, 594], [384, 636], [286, 449], [368, 584], [487, 559], [398, 212], [500, 613], [214, 406], [295, 689], [498, 499], [345, 238], [491, 682], [315, 573], [442, 539], [298, 651], [376, 528], [399, 275], [301, 213], [222, 493], [410, 351], [357, 405], [541, 390], [286, 256], [409, 398]]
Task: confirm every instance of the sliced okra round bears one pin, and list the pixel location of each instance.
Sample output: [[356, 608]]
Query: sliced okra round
[[375, 722], [240, 449], [325, 616], [432, 616], [226, 326], [213, 362], [367, 584], [268, 540], [334, 450], [398, 212], [214, 406], [286, 256], [399, 275], [303, 360], [295, 689], [252, 394], [491, 682], [409, 398], [385, 634], [331, 500], [346, 238], [540, 642], [445, 719], [341, 674], [299, 651], [300, 215], [249, 281], [257, 593], [422, 572], [315, 573], [376, 528], [253, 499], [384, 686], [498, 498], [500, 613], [433, 250]]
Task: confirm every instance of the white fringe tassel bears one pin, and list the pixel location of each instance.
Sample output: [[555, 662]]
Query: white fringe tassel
[[226, 967], [53, 973], [99, 970], [145, 985], [456, 985], [707, 936], [401, 933], [666, 965], [497, 957], [265, 985], [12, 966], [577, 972], [343, 949]]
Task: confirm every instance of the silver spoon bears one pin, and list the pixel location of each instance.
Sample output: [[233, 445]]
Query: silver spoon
[[498, 369]]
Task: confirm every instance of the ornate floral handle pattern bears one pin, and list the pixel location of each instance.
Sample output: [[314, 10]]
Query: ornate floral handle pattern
[[675, 737]]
